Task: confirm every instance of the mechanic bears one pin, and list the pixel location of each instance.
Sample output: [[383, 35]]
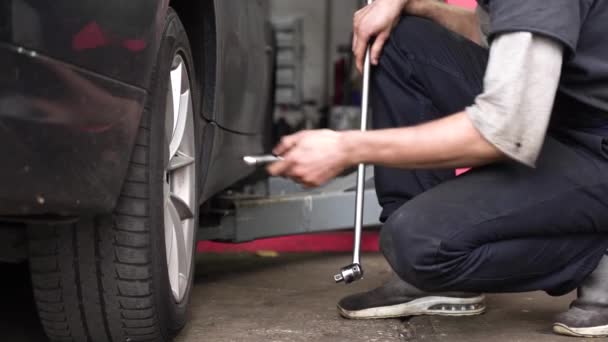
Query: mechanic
[[529, 113]]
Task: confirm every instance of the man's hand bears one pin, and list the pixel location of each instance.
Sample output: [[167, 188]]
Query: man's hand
[[311, 158], [375, 20]]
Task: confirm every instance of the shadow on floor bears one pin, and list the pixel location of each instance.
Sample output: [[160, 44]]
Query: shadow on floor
[[223, 267]]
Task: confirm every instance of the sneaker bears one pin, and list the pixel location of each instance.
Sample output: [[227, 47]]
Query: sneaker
[[397, 298], [588, 314], [583, 322]]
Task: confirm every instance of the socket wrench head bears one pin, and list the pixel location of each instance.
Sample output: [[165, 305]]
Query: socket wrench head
[[349, 274]]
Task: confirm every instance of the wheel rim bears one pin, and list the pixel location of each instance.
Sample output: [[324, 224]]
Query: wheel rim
[[179, 184]]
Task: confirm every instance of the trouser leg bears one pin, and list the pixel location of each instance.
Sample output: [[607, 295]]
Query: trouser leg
[[506, 227], [425, 72]]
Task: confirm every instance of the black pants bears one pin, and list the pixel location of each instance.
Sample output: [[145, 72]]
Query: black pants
[[499, 228]]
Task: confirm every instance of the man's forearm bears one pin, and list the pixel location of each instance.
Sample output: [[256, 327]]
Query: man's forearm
[[452, 142], [454, 18]]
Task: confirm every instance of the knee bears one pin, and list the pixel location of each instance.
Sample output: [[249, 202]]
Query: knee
[[414, 246], [411, 40], [412, 27], [413, 36], [409, 248]]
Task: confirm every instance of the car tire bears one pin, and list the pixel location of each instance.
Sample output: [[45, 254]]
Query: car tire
[[119, 277]]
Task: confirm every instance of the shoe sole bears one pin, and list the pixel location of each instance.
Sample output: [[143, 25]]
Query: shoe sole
[[427, 306], [593, 332]]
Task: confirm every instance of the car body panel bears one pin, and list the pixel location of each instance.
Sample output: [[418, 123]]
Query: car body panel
[[89, 33], [244, 65], [226, 165], [242, 115], [65, 136], [73, 96]]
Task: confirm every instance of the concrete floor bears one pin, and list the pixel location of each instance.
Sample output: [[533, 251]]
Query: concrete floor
[[292, 298]]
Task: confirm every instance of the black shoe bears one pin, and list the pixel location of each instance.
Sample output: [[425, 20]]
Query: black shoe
[[397, 298], [588, 315], [583, 322]]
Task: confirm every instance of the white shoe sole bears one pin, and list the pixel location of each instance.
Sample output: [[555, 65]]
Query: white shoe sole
[[432, 306], [562, 329]]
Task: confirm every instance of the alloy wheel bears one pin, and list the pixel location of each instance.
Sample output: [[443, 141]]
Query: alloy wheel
[[180, 181]]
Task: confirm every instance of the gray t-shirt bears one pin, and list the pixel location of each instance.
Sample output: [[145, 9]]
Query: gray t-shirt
[[548, 66], [520, 85], [582, 27]]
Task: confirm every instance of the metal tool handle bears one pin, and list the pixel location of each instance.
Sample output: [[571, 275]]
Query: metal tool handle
[[361, 169], [354, 272], [261, 160]]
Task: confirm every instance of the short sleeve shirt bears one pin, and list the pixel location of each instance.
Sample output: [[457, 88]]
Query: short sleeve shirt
[[582, 27]]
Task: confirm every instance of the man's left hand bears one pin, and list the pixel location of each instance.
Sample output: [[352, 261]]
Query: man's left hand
[[311, 158]]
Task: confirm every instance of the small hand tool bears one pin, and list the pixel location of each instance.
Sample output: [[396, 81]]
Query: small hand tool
[[261, 160]]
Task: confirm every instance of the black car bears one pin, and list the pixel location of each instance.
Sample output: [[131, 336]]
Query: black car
[[118, 119]]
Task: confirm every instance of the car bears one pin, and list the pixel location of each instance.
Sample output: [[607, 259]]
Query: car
[[118, 120]]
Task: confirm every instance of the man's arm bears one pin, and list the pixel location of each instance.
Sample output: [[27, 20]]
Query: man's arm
[[451, 142], [314, 157], [460, 20]]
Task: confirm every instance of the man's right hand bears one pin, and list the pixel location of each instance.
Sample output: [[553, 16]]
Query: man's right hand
[[375, 20]]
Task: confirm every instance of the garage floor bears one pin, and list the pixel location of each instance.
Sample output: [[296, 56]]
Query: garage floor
[[292, 298]]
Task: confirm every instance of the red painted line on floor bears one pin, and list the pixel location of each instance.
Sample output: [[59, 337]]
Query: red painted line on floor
[[332, 242]]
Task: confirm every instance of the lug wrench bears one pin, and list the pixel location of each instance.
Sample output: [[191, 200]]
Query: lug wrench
[[354, 272]]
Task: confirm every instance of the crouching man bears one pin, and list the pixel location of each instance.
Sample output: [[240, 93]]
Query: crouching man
[[519, 92]]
